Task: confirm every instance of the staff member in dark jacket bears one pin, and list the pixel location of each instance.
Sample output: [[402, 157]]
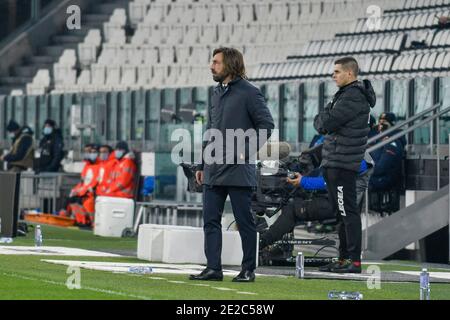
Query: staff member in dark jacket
[[236, 104], [51, 148], [388, 170], [344, 121], [21, 155]]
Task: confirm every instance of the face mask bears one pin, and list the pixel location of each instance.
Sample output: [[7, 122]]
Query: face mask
[[93, 156], [86, 156], [48, 130], [11, 135], [119, 154], [384, 127], [104, 156]]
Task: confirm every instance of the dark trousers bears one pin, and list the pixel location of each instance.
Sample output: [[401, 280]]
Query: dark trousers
[[213, 203], [341, 185]]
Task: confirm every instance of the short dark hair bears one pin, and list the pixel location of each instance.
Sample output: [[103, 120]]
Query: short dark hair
[[349, 63], [110, 149], [233, 61], [50, 122]]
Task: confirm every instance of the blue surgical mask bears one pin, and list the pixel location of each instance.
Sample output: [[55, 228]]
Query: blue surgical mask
[[104, 156], [93, 156], [119, 154], [47, 130], [11, 135]]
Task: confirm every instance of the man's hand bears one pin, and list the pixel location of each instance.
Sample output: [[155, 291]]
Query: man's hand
[[199, 177], [295, 182]]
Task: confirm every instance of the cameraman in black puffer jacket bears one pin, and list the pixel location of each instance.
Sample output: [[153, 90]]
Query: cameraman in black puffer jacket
[[344, 122]]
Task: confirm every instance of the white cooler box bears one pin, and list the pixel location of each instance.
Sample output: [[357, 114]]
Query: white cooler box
[[113, 215], [182, 244]]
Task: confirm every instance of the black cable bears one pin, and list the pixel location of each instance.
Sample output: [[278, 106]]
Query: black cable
[[327, 246], [230, 224]]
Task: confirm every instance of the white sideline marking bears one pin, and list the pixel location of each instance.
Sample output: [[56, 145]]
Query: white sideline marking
[[118, 293], [53, 251], [175, 281], [243, 292], [438, 275], [224, 289], [156, 267]]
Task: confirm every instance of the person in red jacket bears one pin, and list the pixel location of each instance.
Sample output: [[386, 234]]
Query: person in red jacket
[[121, 181], [81, 203], [107, 160]]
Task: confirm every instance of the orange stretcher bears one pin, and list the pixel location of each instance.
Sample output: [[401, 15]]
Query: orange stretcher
[[45, 218]]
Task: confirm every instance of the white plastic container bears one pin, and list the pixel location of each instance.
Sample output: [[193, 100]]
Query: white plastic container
[[183, 244], [113, 215]]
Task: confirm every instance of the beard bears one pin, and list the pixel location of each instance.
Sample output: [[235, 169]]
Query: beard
[[219, 77]]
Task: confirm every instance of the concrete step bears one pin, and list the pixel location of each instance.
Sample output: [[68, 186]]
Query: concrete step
[[56, 50], [79, 33], [15, 81], [6, 89], [95, 18], [66, 39], [40, 60], [30, 70], [108, 8]]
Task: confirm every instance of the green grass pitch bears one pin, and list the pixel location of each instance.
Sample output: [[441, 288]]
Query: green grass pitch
[[27, 277]]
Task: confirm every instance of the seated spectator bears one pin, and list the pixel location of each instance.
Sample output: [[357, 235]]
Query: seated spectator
[[81, 202], [51, 148], [373, 127], [107, 160], [388, 159], [21, 155], [121, 181]]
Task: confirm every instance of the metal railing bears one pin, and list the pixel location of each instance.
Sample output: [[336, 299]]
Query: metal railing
[[395, 129], [45, 191]]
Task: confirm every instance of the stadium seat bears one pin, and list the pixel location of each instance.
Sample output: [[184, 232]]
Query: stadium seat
[[40, 83], [88, 49]]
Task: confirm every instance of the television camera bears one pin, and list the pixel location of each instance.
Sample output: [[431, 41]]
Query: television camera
[[273, 193]]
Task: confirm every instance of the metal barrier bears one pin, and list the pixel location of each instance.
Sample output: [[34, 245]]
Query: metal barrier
[[45, 192], [428, 116], [167, 212]]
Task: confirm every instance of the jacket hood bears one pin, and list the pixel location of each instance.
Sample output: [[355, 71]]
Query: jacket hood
[[366, 88], [26, 130]]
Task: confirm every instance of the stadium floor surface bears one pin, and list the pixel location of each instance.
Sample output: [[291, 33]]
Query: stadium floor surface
[[30, 277]]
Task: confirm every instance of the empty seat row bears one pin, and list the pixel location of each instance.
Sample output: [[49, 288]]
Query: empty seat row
[[441, 39], [149, 54], [424, 61], [340, 45], [414, 62], [223, 33], [420, 4], [240, 11], [400, 21], [101, 78]]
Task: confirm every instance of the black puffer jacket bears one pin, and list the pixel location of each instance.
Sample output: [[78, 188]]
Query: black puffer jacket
[[344, 122]]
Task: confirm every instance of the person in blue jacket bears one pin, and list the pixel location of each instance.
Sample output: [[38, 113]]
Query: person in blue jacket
[[317, 208], [387, 174]]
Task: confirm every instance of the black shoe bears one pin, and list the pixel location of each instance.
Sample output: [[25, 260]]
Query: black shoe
[[245, 276], [331, 266], [348, 266], [208, 274]]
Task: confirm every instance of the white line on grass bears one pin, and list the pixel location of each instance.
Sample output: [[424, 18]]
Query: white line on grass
[[224, 289], [243, 292], [118, 293]]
